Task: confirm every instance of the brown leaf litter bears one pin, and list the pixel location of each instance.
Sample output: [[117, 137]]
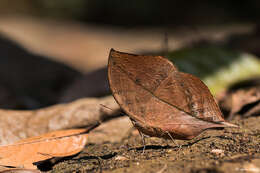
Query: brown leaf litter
[[24, 153], [243, 100], [15, 125]]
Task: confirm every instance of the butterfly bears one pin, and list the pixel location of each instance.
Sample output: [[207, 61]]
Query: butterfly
[[160, 100]]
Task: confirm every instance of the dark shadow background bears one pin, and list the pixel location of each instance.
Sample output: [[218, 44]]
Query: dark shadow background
[[138, 13], [39, 82]]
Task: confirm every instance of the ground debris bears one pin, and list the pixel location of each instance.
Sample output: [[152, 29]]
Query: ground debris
[[15, 125], [240, 146]]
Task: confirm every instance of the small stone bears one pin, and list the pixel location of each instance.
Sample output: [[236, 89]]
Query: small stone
[[121, 158], [251, 168], [218, 152]]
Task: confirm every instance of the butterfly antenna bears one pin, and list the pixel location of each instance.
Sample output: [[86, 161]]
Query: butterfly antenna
[[106, 107], [121, 113], [165, 46]]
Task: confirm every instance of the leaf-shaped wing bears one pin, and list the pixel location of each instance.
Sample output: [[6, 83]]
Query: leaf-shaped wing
[[191, 95], [159, 98]]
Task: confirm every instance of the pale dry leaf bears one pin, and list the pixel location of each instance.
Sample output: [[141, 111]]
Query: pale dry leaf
[[244, 97], [54, 144], [111, 131], [20, 170], [237, 100], [16, 125]]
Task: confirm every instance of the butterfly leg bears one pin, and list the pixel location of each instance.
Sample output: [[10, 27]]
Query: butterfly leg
[[143, 140], [143, 136], [179, 146]]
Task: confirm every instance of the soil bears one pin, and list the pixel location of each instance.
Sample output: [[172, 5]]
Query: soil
[[226, 150]]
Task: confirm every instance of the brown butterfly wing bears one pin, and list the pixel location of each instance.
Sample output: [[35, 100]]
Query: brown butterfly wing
[[151, 91], [202, 104], [195, 99], [133, 78]]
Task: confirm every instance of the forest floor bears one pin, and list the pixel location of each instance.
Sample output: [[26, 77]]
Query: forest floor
[[227, 150]]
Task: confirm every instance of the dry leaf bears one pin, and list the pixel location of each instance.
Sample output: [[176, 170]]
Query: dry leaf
[[54, 144], [235, 102], [20, 170], [16, 125], [112, 131], [244, 97]]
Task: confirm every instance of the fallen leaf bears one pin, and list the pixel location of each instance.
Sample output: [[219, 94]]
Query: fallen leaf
[[15, 170], [160, 100], [244, 101], [54, 144], [244, 97], [112, 131], [16, 125]]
